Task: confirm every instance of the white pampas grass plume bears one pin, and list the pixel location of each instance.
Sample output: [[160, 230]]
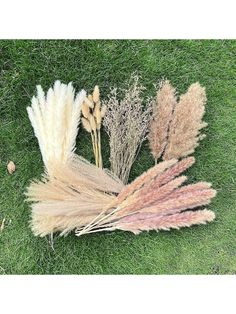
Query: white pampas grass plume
[[55, 118]]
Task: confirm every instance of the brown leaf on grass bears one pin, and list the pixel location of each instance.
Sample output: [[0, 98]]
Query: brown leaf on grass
[[11, 167]]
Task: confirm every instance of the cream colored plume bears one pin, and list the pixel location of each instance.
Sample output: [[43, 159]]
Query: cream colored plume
[[55, 118]]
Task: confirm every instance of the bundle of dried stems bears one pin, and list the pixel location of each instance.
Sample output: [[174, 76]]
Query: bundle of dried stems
[[175, 127], [92, 119], [155, 201], [74, 194], [72, 191], [126, 124]]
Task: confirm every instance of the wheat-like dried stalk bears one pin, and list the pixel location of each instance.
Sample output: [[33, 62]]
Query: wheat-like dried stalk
[[126, 124], [93, 114]]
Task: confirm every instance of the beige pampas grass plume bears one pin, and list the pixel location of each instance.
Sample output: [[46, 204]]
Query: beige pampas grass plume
[[185, 127], [175, 127], [163, 109]]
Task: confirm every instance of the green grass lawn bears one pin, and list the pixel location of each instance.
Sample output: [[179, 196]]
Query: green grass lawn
[[209, 249]]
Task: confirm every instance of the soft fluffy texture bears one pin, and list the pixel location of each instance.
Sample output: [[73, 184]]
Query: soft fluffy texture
[[55, 117]]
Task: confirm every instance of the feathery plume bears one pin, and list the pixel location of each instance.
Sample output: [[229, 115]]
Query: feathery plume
[[184, 133], [147, 221], [55, 118], [157, 200], [163, 109]]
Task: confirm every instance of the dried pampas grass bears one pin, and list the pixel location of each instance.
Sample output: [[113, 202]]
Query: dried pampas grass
[[162, 115], [76, 195], [126, 124], [72, 191], [156, 201], [175, 128], [55, 118]]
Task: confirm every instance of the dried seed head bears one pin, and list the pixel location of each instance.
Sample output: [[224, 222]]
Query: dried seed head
[[85, 110], [103, 111], [86, 125], [96, 94], [92, 123], [89, 101], [11, 167]]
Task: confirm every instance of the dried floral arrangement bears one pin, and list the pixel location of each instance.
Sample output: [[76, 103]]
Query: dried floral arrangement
[[75, 195]]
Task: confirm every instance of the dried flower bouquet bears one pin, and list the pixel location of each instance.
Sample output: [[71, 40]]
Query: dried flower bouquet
[[75, 195]]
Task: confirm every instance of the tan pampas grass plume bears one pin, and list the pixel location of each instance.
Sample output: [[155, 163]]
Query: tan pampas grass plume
[[72, 191], [162, 115], [156, 201], [175, 128], [184, 134]]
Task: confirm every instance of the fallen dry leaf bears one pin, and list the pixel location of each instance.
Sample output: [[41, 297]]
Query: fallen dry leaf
[[2, 224], [11, 167]]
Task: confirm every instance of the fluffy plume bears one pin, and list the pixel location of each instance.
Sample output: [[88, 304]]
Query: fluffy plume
[[75, 195], [162, 116], [147, 222], [126, 125], [155, 200], [175, 127], [184, 134], [55, 118]]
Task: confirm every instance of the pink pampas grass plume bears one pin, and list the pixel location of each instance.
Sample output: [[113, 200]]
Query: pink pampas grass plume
[[147, 221]]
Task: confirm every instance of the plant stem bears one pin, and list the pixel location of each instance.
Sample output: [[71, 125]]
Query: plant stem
[[99, 149], [96, 148]]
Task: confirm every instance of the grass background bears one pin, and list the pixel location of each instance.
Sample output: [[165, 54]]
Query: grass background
[[209, 249]]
